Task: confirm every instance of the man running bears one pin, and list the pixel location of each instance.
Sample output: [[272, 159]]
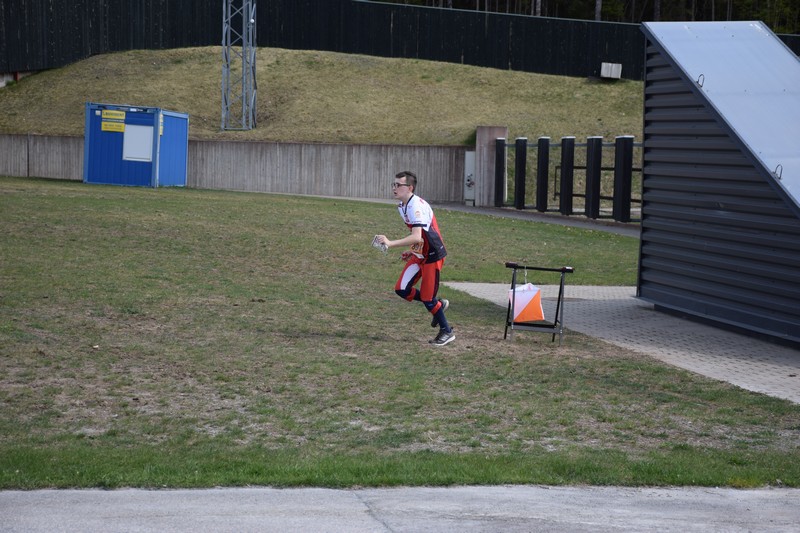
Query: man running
[[424, 259]]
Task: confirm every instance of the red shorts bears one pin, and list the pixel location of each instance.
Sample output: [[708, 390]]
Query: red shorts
[[414, 271]]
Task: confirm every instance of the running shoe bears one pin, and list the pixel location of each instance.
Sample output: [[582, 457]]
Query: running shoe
[[443, 337]]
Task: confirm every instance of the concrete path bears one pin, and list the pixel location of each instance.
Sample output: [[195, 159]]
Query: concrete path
[[459, 509]]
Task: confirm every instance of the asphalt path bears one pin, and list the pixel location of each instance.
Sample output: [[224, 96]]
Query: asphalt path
[[457, 509]]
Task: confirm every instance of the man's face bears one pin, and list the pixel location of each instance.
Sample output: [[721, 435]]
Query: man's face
[[400, 189]]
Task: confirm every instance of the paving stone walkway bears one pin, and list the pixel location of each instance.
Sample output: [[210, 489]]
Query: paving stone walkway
[[615, 315]]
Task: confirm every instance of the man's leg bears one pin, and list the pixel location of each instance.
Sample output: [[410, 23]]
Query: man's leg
[[445, 304], [429, 287], [405, 283]]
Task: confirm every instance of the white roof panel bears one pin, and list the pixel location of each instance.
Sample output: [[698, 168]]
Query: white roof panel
[[752, 79]]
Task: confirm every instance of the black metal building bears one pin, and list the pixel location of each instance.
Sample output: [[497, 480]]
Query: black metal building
[[721, 179]]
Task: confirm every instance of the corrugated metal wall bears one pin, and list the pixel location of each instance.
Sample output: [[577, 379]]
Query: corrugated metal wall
[[717, 241]]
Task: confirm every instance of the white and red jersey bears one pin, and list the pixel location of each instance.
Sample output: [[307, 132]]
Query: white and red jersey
[[418, 213]]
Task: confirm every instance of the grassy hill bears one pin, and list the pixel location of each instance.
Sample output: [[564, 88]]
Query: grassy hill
[[316, 96]]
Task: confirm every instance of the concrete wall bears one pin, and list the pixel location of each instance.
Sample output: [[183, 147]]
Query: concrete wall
[[359, 171], [41, 156], [486, 140], [14, 155]]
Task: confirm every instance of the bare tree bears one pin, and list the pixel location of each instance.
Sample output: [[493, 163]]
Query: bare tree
[[598, 9]]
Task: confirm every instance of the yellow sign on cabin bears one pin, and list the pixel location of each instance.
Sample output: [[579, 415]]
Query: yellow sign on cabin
[[109, 114], [112, 126]]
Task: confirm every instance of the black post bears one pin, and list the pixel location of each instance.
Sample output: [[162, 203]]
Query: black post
[[542, 168], [520, 174], [499, 172], [623, 177], [594, 163], [567, 172]]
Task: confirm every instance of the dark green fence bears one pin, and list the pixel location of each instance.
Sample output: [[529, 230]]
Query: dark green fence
[[42, 34], [594, 178]]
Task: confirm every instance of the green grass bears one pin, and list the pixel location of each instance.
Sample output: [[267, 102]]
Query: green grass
[[208, 465], [194, 338], [328, 97]]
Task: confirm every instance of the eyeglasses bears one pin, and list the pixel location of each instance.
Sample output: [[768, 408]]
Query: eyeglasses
[[395, 185]]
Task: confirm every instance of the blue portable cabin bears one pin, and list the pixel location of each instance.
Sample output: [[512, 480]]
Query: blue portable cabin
[[135, 146]]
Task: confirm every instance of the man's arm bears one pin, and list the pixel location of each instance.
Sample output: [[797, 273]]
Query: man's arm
[[415, 237]]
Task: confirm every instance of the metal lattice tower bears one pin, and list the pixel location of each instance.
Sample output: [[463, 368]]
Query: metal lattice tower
[[239, 64]]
